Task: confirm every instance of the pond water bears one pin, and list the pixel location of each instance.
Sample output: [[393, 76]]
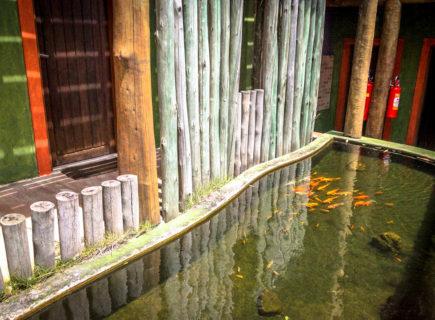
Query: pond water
[[274, 243]]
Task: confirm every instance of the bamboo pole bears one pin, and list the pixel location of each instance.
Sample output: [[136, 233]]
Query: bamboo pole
[[384, 68], [306, 99], [317, 60], [258, 125], [224, 86], [301, 52], [134, 114], [251, 131], [283, 55], [184, 150], [2, 284], [130, 203], [204, 91], [245, 110], [167, 108], [272, 144], [360, 68], [112, 206], [190, 15], [16, 245], [236, 12], [42, 213], [93, 217], [68, 217], [237, 136], [214, 45], [289, 94], [268, 67], [258, 44]]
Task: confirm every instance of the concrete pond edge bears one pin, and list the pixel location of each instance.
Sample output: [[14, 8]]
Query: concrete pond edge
[[61, 284]]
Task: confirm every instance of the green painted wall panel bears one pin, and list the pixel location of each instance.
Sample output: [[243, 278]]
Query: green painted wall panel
[[417, 23], [17, 148]]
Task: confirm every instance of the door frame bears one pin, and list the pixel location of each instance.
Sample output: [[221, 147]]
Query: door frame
[[419, 91], [343, 85]]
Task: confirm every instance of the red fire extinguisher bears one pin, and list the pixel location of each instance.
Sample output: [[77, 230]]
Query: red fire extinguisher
[[368, 98], [394, 98]]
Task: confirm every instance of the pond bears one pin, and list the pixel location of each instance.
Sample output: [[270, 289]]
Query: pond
[[304, 242]]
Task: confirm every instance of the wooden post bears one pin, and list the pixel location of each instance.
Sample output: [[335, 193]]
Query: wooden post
[[42, 213], [384, 68], [289, 94], [258, 125], [283, 55], [268, 67], [16, 245], [251, 131], [214, 45], [167, 108], [190, 15], [237, 136], [224, 90], [204, 91], [184, 149], [235, 56], [112, 207], [134, 115], [68, 216], [360, 68], [130, 201], [93, 218], [245, 110]]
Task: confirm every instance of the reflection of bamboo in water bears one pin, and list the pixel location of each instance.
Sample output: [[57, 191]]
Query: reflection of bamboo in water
[[56, 312], [151, 276], [193, 306], [345, 214], [185, 257], [99, 297], [213, 283], [203, 267], [118, 288], [78, 305], [135, 279]]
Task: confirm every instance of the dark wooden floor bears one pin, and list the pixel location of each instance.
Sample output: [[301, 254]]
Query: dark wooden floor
[[18, 196]]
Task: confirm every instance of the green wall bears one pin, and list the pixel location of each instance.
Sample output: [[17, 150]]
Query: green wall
[[417, 23], [17, 149]]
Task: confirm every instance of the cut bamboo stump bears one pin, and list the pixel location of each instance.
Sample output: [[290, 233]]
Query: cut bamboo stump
[[93, 215], [245, 109], [130, 201], [42, 213], [251, 130], [68, 213], [112, 205], [258, 125], [16, 244]]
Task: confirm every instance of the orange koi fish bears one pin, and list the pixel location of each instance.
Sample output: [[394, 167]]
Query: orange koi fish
[[331, 179], [379, 192], [302, 223], [244, 241], [317, 225], [324, 210], [239, 276], [398, 259], [244, 233], [269, 217], [314, 173], [295, 213], [324, 186], [362, 228], [351, 227], [310, 193], [391, 221], [265, 232], [362, 204], [276, 211], [276, 273], [302, 188], [390, 204], [290, 219], [308, 205], [314, 184], [335, 205], [329, 200], [360, 197], [318, 199], [361, 192], [332, 192], [269, 265]]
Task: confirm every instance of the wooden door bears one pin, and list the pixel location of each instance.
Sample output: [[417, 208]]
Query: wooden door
[[75, 67]]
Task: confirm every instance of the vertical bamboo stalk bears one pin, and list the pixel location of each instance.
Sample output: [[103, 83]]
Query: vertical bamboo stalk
[[184, 150], [251, 130], [301, 51], [134, 114], [258, 125], [224, 86], [2, 284], [283, 56], [317, 60], [68, 213], [272, 144], [246, 106], [42, 213], [258, 44], [268, 67], [289, 94], [360, 68], [237, 134], [214, 45], [112, 206], [167, 108], [190, 15], [16, 245], [384, 68], [204, 91], [236, 11], [93, 217], [130, 201]]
